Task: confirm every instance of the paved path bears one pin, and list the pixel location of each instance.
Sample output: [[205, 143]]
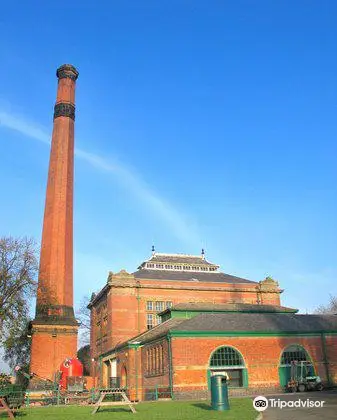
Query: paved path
[[327, 412]]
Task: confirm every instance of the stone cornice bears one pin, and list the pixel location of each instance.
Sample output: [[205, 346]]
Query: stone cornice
[[55, 329], [118, 284]]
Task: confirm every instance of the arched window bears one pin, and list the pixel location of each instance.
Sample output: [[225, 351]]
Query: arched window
[[294, 352], [226, 356], [228, 360]]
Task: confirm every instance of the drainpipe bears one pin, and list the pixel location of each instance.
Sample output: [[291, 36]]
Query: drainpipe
[[325, 358], [135, 347], [136, 359], [100, 370], [138, 307], [170, 364]]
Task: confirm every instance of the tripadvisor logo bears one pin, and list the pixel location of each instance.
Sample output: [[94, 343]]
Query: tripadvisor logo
[[260, 403]]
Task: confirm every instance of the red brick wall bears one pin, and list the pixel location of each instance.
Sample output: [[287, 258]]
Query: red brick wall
[[129, 371], [160, 379], [98, 336], [48, 352], [191, 357], [123, 316], [127, 305], [331, 349], [139, 380]]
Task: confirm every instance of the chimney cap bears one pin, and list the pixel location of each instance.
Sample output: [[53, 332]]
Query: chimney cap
[[67, 70]]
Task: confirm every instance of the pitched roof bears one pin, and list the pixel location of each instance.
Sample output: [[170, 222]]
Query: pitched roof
[[228, 307], [268, 322], [208, 277], [158, 331], [242, 322]]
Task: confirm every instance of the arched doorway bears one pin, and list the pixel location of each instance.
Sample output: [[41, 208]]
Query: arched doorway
[[294, 352], [230, 361], [124, 377]]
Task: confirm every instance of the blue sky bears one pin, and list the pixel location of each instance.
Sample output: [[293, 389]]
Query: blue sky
[[199, 124]]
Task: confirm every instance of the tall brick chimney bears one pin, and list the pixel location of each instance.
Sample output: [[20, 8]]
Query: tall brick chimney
[[54, 329]]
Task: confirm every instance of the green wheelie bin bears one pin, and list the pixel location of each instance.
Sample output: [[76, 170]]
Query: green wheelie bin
[[219, 393]]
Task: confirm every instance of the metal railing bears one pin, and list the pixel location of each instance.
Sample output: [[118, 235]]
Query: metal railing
[[56, 397], [158, 392], [52, 397]]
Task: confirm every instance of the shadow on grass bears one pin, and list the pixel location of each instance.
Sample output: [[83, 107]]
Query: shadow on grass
[[203, 406], [114, 410]]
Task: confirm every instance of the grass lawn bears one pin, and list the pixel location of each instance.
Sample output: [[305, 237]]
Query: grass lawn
[[241, 409]]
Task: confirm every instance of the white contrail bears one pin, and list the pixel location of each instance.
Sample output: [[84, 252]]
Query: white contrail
[[174, 219], [23, 127]]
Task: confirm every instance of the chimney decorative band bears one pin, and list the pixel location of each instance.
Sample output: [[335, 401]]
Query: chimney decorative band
[[64, 110]]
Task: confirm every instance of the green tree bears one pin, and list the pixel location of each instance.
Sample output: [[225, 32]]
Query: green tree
[[18, 272], [17, 346], [4, 380], [83, 316], [83, 355]]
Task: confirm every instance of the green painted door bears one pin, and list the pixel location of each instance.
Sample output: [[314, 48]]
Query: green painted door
[[284, 375]]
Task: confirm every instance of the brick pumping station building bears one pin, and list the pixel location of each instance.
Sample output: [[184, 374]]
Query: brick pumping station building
[[177, 319], [172, 323]]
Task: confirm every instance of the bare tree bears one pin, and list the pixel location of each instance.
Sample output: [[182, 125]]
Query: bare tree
[[18, 272], [330, 308], [83, 316]]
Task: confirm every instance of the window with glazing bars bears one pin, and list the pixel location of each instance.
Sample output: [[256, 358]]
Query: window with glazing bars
[[226, 356], [159, 306], [293, 353], [150, 321]]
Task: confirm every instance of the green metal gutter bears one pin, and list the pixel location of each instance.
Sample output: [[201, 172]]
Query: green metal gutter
[[170, 364], [138, 307], [136, 362], [176, 333], [133, 345], [325, 357], [100, 371]]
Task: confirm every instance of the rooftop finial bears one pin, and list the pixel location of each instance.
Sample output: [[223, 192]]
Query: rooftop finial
[[203, 253], [153, 250]]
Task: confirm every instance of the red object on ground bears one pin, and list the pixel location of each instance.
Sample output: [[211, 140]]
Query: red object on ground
[[70, 367]]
